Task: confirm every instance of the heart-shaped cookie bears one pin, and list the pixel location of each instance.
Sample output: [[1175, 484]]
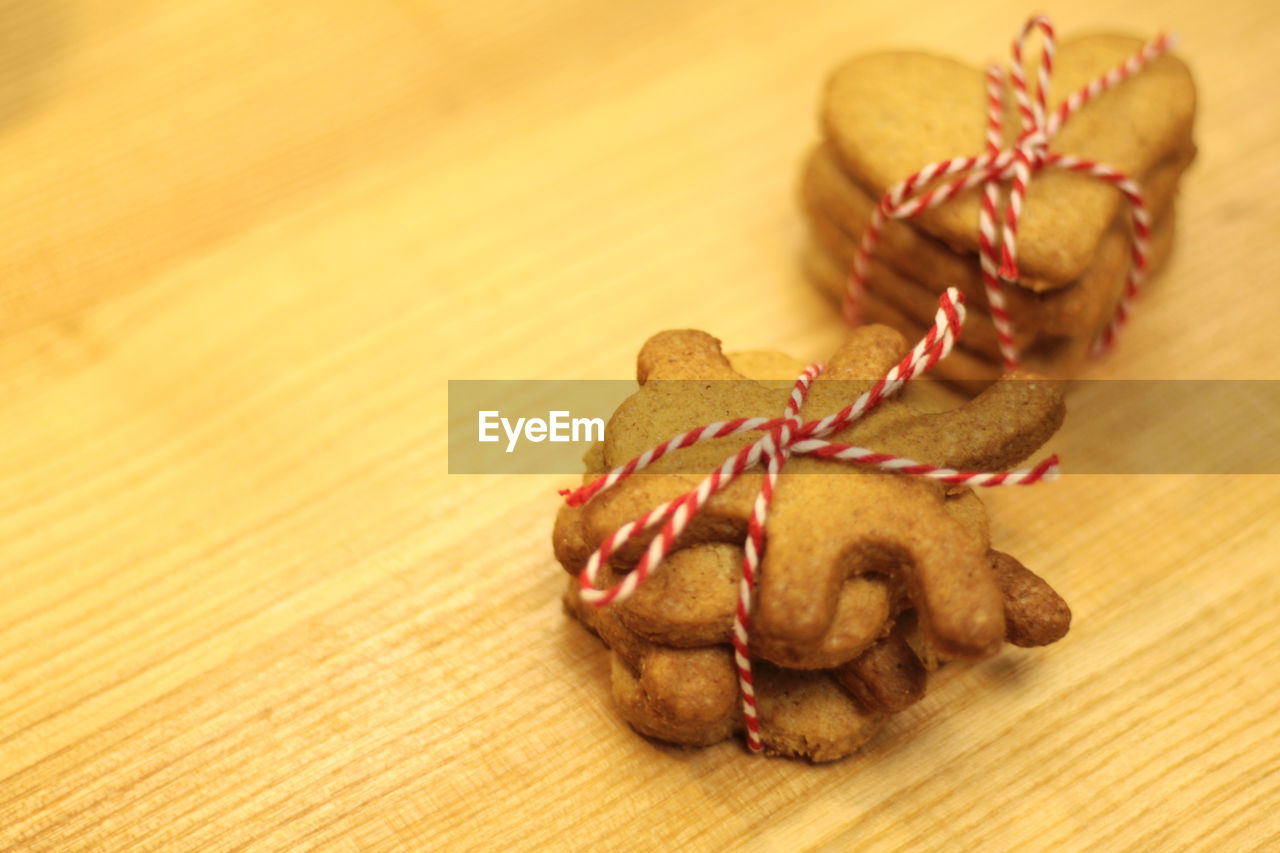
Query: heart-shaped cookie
[[890, 114]]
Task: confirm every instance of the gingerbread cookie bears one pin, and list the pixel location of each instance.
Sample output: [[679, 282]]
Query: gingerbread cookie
[[857, 562], [692, 601], [839, 212], [870, 518], [1086, 307], [688, 696], [889, 114], [974, 364]]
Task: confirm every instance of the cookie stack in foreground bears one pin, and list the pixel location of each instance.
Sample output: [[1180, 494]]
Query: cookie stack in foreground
[[885, 116], [869, 580]]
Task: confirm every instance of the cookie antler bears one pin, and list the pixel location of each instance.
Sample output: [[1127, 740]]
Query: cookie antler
[[1001, 427], [683, 354]]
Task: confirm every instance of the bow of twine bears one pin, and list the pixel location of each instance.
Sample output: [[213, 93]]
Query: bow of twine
[[783, 437], [942, 181]]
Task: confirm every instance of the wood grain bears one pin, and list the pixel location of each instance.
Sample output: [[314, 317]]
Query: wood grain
[[245, 607]]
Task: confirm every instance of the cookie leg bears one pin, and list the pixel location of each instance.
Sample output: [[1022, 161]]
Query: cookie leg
[[888, 677], [1034, 614], [888, 524]]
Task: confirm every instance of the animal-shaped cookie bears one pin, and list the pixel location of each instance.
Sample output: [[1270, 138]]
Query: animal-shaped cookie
[[893, 609], [689, 696], [691, 602], [830, 521]]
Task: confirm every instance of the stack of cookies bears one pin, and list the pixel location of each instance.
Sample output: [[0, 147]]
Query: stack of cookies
[[869, 580], [885, 116]]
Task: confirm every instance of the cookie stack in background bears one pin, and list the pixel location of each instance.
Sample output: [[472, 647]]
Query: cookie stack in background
[[885, 116]]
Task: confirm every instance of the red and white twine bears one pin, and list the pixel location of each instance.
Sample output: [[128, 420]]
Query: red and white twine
[[940, 182], [783, 437]]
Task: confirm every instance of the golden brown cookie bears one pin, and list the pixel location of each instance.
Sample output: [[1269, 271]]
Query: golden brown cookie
[[645, 706], [909, 296], [829, 194], [802, 715], [692, 600], [808, 715], [688, 696], [830, 520], [1105, 280], [889, 114], [967, 368], [820, 693], [914, 268]]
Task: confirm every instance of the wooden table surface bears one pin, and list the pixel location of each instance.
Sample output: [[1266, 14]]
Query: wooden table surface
[[244, 605]]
